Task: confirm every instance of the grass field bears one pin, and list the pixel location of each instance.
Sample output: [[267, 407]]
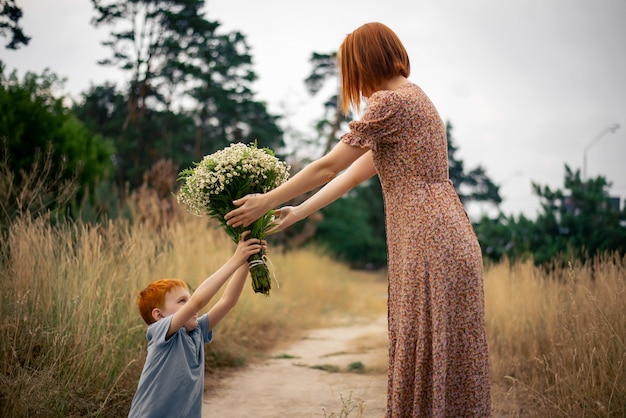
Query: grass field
[[73, 343], [557, 339]]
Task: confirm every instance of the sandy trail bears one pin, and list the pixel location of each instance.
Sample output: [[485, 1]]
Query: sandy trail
[[288, 384]]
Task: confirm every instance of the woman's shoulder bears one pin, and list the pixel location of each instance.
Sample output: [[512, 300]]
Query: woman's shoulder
[[406, 91], [394, 100], [383, 98]]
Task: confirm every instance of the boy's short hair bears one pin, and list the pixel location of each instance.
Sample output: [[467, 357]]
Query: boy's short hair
[[153, 296]]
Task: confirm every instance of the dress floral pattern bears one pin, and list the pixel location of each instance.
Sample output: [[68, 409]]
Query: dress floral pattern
[[438, 356]]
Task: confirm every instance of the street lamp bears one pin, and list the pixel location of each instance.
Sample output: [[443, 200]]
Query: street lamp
[[610, 128]]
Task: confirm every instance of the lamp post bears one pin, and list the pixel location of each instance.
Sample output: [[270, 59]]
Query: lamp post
[[611, 128]]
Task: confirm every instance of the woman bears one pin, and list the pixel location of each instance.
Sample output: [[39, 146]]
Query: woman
[[438, 358]]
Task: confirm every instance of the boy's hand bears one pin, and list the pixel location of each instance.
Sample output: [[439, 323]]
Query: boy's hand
[[246, 247]]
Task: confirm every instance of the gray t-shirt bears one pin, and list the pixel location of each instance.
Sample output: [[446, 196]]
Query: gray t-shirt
[[172, 380]]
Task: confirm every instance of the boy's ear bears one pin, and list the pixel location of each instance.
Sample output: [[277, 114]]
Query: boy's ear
[[156, 314]]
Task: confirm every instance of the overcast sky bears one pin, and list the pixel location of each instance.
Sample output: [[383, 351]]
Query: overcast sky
[[527, 84]]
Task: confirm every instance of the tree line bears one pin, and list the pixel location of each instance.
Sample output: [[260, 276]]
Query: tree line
[[189, 92]]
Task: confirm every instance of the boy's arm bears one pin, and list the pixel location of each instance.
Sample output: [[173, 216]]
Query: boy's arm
[[229, 297], [210, 286]]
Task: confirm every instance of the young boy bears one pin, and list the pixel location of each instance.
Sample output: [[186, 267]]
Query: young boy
[[172, 380]]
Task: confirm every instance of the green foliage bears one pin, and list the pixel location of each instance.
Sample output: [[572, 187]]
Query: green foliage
[[330, 368], [34, 122], [33, 192], [85, 151], [352, 228], [580, 220], [10, 15], [102, 110], [324, 69], [505, 236], [356, 367], [577, 221], [176, 59], [101, 203], [473, 185]]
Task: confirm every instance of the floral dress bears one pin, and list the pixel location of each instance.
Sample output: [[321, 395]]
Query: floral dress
[[438, 357]]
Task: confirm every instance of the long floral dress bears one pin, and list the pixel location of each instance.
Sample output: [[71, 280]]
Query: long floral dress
[[438, 357]]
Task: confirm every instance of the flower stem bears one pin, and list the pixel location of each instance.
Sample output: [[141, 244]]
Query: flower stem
[[261, 280]]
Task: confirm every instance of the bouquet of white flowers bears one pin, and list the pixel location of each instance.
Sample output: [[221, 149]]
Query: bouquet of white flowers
[[210, 187]]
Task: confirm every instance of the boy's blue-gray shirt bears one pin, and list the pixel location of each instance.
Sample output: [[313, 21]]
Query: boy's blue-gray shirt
[[172, 380]]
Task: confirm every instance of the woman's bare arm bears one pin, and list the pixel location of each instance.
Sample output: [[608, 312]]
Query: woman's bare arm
[[319, 172], [361, 170]]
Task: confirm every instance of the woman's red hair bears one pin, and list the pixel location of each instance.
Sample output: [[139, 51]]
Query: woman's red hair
[[153, 296], [367, 57]]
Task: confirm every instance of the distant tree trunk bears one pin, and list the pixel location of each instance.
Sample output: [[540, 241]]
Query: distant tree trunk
[[334, 128], [197, 150]]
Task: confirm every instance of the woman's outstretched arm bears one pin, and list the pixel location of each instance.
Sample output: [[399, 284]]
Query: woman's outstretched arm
[[361, 170], [318, 173]]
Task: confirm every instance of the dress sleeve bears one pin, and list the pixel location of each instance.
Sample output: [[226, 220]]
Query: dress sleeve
[[378, 123]]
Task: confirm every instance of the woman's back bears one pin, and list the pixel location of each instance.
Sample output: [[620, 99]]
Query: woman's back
[[438, 359]]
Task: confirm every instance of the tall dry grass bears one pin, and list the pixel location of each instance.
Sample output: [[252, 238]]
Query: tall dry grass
[[557, 338], [72, 340]]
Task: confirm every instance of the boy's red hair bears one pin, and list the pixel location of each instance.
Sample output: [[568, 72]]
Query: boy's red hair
[[153, 296], [368, 56]]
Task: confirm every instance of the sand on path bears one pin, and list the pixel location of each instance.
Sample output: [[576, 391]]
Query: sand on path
[[317, 376]]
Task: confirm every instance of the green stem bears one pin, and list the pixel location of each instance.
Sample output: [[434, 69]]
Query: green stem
[[261, 280]]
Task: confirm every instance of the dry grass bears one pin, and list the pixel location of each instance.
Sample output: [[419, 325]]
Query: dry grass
[[557, 339], [72, 342]]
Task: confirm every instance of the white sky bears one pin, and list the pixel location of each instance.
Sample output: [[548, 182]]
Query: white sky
[[527, 84]]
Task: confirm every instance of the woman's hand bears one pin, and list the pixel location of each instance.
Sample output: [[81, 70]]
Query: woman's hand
[[284, 218], [251, 207]]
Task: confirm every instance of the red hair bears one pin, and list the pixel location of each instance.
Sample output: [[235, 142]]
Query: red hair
[[368, 56], [153, 297]]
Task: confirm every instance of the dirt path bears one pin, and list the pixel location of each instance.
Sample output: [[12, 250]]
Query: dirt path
[[311, 378]]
